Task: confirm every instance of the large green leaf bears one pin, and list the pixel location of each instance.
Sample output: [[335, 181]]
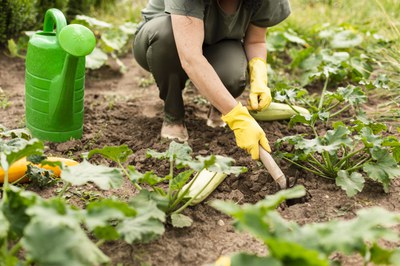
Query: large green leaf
[[346, 39], [101, 217], [114, 153], [4, 227], [102, 176], [96, 59], [54, 237], [180, 179], [383, 169], [180, 152], [146, 225], [15, 207], [352, 183], [15, 149], [149, 177]]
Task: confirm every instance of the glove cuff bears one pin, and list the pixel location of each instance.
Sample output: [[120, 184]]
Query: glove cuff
[[258, 69]]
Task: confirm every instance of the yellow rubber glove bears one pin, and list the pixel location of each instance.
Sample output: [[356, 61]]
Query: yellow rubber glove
[[260, 94], [249, 135]]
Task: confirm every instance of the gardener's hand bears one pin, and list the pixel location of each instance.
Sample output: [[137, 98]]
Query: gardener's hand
[[249, 135], [260, 94]]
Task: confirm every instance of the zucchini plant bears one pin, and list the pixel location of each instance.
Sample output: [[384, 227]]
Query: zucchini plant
[[314, 244], [189, 180], [350, 152], [26, 219]]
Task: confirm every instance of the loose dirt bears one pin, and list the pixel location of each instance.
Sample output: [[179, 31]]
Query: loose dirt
[[124, 109]]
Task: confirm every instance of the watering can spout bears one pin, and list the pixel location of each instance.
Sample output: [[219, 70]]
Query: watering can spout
[[77, 41]]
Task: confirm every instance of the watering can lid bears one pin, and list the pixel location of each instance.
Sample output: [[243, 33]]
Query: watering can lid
[[77, 40]]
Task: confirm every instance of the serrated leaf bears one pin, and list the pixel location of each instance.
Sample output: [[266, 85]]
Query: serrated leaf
[[92, 22], [180, 179], [14, 208], [15, 149], [180, 152], [352, 184], [4, 226], [346, 39], [180, 220], [54, 237], [381, 256], [148, 177], [146, 225], [114, 153], [383, 169], [369, 139], [216, 163], [100, 213], [96, 59], [113, 40], [101, 217], [352, 94], [295, 254], [102, 176]]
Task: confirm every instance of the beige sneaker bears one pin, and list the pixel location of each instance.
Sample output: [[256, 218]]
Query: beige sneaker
[[214, 118], [174, 131]]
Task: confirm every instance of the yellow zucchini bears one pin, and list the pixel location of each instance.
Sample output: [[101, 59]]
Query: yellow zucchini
[[277, 111], [19, 168]]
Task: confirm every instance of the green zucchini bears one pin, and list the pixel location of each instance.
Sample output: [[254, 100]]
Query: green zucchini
[[278, 111]]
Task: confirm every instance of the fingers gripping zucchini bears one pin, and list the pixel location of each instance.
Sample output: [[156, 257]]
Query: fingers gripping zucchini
[[278, 111]]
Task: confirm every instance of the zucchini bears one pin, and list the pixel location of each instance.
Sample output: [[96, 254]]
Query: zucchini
[[203, 185], [19, 168], [277, 111]]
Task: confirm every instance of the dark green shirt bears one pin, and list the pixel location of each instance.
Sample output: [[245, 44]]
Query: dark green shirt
[[217, 24]]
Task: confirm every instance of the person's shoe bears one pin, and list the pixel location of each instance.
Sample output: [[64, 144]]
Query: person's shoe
[[174, 131], [214, 118]]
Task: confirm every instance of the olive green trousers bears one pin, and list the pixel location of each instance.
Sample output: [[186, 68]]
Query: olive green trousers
[[155, 50]]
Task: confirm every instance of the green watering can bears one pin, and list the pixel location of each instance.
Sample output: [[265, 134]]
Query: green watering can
[[55, 77]]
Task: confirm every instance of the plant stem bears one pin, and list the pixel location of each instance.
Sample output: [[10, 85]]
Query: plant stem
[[321, 100], [100, 242], [15, 248], [332, 107], [344, 159], [324, 168], [171, 176], [340, 111], [359, 164], [182, 195], [19, 179], [327, 160], [65, 187], [319, 173], [127, 174], [191, 199]]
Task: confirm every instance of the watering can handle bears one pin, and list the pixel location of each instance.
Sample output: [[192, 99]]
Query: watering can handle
[[52, 16]]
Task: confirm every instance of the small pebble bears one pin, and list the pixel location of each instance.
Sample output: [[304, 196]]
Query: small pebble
[[220, 223]]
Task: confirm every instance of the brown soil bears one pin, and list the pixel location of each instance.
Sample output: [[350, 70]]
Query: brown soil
[[119, 111]]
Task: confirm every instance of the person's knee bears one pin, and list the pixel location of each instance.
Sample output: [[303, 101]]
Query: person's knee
[[235, 82]]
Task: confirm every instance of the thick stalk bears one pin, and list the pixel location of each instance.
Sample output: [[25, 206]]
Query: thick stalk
[[65, 187], [344, 159], [321, 100], [182, 195], [15, 248], [319, 173], [340, 111], [171, 176], [359, 165], [127, 174], [191, 199]]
